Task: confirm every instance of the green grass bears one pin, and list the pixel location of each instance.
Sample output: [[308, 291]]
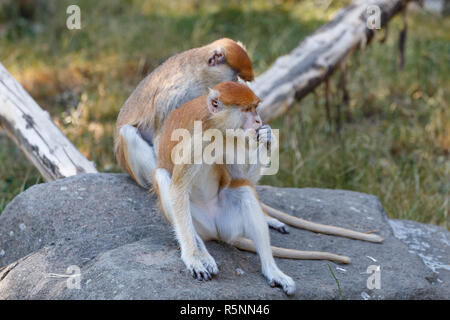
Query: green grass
[[395, 144], [337, 281]]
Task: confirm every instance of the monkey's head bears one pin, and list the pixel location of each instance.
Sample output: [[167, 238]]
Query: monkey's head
[[227, 59], [232, 105]]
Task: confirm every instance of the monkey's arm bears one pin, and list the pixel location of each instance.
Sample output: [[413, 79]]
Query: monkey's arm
[[319, 228]]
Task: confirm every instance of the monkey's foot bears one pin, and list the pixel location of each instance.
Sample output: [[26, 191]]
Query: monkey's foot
[[279, 279], [210, 264], [201, 269], [282, 229], [277, 225]]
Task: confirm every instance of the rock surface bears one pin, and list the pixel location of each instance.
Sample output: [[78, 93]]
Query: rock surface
[[431, 244], [111, 234]]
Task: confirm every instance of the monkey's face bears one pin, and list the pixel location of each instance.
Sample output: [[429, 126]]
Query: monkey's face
[[233, 106], [250, 118], [228, 60], [235, 117]]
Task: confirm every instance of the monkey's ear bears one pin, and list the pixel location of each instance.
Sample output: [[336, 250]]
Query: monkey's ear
[[214, 104], [217, 57]]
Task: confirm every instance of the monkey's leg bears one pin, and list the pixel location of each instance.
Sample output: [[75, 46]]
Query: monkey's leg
[[176, 206], [242, 214], [319, 228], [247, 245], [139, 155]]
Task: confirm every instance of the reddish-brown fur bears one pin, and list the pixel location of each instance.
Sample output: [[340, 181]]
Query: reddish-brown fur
[[236, 94], [237, 58], [231, 94], [151, 102], [237, 183], [183, 117]]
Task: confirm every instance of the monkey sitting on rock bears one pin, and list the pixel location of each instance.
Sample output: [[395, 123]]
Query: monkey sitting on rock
[[204, 81]]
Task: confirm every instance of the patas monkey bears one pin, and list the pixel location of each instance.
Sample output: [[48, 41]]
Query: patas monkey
[[204, 201], [217, 200], [181, 78]]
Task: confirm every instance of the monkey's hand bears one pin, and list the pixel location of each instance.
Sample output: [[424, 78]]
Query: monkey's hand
[[265, 136]]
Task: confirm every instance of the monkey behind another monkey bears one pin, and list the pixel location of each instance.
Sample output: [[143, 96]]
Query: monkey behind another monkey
[[180, 79]]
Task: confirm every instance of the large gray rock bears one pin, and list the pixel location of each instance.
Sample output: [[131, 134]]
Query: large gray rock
[[114, 233], [431, 244]]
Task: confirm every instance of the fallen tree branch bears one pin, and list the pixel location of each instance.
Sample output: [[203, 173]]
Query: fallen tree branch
[[295, 75], [32, 129]]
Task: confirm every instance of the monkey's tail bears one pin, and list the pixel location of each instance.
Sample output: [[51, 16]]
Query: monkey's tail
[[247, 245], [319, 228]]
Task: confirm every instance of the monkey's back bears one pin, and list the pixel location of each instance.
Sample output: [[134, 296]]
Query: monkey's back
[[156, 95]]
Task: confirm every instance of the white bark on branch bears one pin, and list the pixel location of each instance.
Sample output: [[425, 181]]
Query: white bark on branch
[[295, 75], [32, 129]]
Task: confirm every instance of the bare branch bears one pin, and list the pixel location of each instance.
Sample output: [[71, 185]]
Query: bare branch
[[295, 75], [32, 129]]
